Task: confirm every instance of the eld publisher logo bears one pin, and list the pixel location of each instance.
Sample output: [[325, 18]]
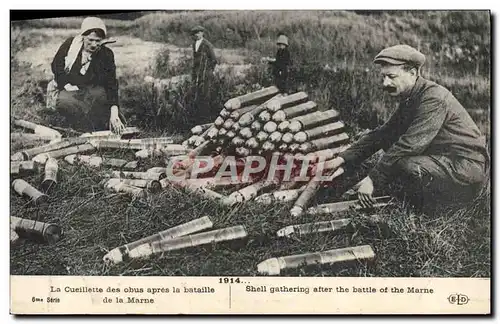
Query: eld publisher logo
[[458, 299]]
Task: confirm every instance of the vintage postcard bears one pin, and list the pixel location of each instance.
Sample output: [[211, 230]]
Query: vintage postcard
[[250, 162]]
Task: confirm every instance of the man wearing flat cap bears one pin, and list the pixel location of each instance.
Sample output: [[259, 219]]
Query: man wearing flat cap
[[430, 143], [204, 62]]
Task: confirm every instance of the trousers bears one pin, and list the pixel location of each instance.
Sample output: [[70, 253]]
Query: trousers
[[204, 93], [86, 109], [431, 180]]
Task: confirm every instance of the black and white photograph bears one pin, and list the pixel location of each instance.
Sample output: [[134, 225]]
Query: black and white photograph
[[251, 143]]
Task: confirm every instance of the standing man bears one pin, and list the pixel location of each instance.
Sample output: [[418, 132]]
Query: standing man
[[85, 87], [204, 62], [431, 143]]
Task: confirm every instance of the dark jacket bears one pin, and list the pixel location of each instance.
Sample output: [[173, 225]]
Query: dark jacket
[[281, 68], [430, 121], [101, 71], [204, 61], [282, 62]]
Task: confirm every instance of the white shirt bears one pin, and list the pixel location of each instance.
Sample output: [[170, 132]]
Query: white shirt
[[197, 44]]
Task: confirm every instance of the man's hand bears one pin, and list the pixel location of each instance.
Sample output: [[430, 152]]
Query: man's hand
[[70, 87], [115, 124], [365, 192]]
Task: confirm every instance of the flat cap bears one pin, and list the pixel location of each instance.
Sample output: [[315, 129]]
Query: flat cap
[[196, 29], [400, 54]]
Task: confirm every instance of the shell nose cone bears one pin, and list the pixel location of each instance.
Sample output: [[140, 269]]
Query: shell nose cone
[[269, 267]]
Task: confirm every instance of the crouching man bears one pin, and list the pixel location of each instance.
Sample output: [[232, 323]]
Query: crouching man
[[431, 144], [85, 89]]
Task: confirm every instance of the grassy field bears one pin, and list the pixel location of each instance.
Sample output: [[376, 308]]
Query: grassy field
[[449, 243]]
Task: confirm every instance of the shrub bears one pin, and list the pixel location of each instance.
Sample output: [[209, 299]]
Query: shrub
[[162, 64], [455, 41]]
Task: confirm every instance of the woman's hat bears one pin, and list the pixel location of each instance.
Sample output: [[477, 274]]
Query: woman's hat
[[90, 23]]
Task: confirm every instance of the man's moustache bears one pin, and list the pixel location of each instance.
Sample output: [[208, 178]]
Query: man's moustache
[[390, 89]]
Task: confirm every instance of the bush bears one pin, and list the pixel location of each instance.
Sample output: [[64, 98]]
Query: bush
[[457, 42], [162, 64]]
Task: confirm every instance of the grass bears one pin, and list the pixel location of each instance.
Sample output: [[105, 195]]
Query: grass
[[450, 243], [96, 221]]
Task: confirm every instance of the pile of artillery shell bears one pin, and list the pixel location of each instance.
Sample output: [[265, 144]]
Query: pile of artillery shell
[[266, 121]]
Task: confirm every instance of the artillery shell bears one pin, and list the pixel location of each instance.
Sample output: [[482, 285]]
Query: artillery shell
[[228, 124], [287, 101], [323, 143], [42, 158], [50, 179], [151, 185], [274, 266], [118, 254], [47, 232], [246, 132], [238, 141], [256, 126], [312, 120], [225, 234], [224, 113], [287, 138], [256, 97], [320, 131], [252, 143], [270, 127], [275, 137], [262, 136], [242, 151], [265, 116], [344, 206], [25, 189], [311, 189], [236, 114]]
